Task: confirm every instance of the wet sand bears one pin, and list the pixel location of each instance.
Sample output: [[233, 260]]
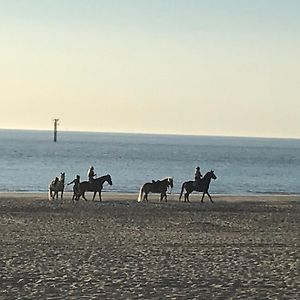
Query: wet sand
[[237, 248]]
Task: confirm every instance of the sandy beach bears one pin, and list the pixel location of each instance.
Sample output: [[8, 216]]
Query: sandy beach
[[240, 247]]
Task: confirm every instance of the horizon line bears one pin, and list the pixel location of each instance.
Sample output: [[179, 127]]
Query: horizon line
[[155, 133]]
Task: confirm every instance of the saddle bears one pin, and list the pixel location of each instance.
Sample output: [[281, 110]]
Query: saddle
[[156, 186], [197, 184], [155, 181], [91, 183], [54, 182]]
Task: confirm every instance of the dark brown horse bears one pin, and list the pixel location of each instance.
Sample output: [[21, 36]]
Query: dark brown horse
[[96, 186], [203, 186], [159, 186]]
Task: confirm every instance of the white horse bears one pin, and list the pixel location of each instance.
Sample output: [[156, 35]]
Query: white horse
[[57, 185]]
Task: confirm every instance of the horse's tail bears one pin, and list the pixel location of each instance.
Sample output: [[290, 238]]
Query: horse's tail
[[50, 193], [141, 194], [182, 189]]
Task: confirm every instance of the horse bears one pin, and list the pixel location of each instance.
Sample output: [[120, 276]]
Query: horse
[[57, 185], [95, 186], [159, 186], [189, 187]]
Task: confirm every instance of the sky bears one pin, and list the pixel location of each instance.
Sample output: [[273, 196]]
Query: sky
[[199, 67]]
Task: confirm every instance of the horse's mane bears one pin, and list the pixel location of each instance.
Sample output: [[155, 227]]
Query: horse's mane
[[103, 176], [207, 174]]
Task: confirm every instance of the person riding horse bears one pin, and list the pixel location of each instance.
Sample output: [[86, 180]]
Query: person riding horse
[[189, 186], [91, 174], [96, 187], [198, 176]]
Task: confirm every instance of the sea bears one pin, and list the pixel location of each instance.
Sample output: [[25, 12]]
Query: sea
[[30, 159]]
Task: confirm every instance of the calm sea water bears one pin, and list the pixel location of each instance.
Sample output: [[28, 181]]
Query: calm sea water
[[30, 159]]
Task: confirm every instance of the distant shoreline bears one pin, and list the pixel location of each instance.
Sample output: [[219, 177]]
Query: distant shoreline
[[50, 131]]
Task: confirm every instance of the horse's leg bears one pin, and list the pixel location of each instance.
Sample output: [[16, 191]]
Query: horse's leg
[[77, 195], [83, 196], [61, 194], [146, 196], [94, 196], [188, 197], [162, 196], [100, 196], [202, 197], [165, 195], [209, 197]]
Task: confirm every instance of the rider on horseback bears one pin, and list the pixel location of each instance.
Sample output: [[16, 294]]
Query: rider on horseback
[[198, 176], [91, 174]]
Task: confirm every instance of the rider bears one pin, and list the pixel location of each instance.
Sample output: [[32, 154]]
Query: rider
[[198, 176], [76, 182], [91, 174]]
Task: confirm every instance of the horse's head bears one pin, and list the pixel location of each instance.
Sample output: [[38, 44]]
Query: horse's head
[[168, 181], [108, 179], [212, 175], [62, 176], [209, 175]]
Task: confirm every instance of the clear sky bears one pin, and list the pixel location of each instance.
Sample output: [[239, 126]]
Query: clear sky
[[204, 67]]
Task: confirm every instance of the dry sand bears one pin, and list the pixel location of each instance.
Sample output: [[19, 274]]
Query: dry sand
[[236, 248]]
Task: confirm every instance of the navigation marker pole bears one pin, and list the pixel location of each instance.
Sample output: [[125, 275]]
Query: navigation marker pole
[[55, 129]]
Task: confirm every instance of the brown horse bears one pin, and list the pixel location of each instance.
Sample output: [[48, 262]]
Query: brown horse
[[159, 186], [95, 186], [203, 186]]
